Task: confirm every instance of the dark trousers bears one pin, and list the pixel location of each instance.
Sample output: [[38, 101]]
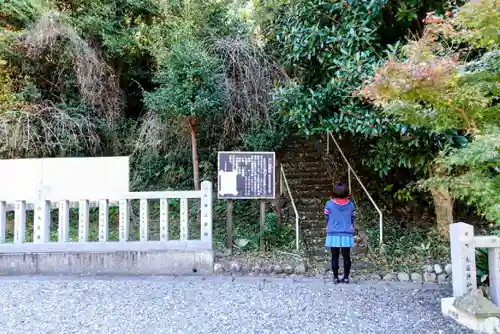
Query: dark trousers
[[346, 255]]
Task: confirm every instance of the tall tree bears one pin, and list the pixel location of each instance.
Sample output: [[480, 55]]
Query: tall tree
[[435, 88], [190, 88]]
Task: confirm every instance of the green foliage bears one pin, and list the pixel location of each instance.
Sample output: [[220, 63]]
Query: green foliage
[[482, 267], [278, 236], [157, 62], [190, 83], [406, 147], [431, 89], [474, 174], [327, 48], [482, 21], [408, 250], [262, 137], [246, 227]]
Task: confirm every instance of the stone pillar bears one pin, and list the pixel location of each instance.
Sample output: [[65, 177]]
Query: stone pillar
[[144, 220], [184, 231], [124, 220], [63, 229], [164, 219], [83, 221], [41, 225], [103, 220], [20, 222], [494, 274], [463, 258], [3, 221], [206, 213]]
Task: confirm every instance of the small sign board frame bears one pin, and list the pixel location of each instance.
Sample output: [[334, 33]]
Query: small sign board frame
[[267, 177]]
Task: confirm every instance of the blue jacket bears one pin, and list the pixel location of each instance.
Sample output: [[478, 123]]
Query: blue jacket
[[340, 217]]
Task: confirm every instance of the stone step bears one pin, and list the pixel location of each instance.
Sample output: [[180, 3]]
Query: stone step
[[302, 156], [315, 213], [314, 241], [317, 196], [308, 202], [319, 172], [308, 209], [312, 218], [306, 188], [311, 181], [313, 169], [312, 221], [315, 233], [299, 164], [300, 175]]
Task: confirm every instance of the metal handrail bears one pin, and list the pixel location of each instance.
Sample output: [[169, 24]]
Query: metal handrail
[[294, 208], [350, 169]]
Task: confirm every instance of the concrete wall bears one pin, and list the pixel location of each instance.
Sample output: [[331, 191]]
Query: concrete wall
[[63, 177], [156, 262]]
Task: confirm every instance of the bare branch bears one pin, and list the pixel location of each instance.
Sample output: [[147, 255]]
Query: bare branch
[[97, 84]]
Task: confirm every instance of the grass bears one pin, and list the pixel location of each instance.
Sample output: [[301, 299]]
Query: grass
[[408, 251]]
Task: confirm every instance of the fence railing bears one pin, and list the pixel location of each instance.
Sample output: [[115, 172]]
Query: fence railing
[[463, 246], [295, 211], [42, 222], [351, 170]]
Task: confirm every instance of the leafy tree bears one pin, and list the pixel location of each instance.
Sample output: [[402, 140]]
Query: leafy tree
[[433, 89], [190, 88]]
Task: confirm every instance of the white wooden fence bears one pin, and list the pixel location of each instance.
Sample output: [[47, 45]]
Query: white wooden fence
[[42, 221]]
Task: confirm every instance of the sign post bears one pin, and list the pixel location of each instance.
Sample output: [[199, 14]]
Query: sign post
[[246, 175], [229, 223], [262, 229]]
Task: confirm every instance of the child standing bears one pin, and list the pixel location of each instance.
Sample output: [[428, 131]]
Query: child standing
[[339, 214]]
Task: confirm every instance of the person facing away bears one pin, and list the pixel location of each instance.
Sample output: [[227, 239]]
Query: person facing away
[[339, 215]]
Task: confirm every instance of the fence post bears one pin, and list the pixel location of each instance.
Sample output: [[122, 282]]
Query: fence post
[[463, 258], [20, 222], [103, 220], [3, 221], [124, 220], [63, 229], [494, 274], [41, 226], [206, 213]]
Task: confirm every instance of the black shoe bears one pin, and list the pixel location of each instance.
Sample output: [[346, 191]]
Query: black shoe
[[344, 280], [336, 281]]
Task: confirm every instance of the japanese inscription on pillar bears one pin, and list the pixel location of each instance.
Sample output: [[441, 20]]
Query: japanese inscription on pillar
[[246, 175], [463, 258]]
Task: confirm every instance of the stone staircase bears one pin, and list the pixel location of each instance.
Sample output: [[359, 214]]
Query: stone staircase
[[311, 185], [311, 174]]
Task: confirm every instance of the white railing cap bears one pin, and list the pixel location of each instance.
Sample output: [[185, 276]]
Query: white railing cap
[[112, 196]]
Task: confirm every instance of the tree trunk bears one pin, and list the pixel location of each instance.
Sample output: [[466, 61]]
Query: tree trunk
[[194, 150], [443, 204], [277, 199], [196, 169]]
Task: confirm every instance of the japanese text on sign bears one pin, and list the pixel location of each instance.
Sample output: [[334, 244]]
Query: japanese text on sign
[[246, 175]]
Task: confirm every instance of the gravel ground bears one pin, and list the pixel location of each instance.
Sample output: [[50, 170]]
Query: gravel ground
[[217, 305]]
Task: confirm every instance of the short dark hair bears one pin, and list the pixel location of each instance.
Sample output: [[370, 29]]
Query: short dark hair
[[340, 191]]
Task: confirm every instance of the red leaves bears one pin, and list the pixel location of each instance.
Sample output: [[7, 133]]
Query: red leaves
[[400, 77]]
